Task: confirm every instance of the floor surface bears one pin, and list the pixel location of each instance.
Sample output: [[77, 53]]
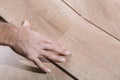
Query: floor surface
[[89, 29]]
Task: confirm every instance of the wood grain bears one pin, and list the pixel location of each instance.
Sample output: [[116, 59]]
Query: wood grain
[[41, 22], [95, 54], [103, 13], [14, 67]]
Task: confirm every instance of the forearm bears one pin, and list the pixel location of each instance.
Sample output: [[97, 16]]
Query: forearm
[[7, 32]]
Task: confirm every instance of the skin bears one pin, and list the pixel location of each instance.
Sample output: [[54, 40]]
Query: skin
[[31, 44]]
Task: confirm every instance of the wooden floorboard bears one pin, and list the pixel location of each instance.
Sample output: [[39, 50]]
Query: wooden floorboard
[[22, 10], [95, 54], [89, 45], [104, 14], [14, 67]]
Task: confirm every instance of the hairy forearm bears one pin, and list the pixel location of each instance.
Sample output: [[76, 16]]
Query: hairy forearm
[[7, 32]]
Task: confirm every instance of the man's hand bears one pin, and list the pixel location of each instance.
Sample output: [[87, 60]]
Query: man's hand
[[33, 45]]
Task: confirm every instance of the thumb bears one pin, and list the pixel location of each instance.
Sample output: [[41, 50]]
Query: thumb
[[26, 24]]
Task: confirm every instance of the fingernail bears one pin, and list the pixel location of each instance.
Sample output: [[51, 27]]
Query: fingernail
[[62, 59], [48, 70], [67, 52], [26, 23]]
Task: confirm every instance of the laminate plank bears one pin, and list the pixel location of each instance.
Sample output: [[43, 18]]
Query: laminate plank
[[14, 67], [95, 54], [15, 12], [103, 13]]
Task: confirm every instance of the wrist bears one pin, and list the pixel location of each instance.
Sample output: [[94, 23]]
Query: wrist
[[7, 34]]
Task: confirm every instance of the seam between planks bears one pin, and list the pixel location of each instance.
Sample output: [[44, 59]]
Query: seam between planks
[[64, 70], [89, 21]]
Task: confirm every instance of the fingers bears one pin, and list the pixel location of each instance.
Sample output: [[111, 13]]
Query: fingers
[[41, 65], [56, 48], [26, 24], [53, 57], [36, 61]]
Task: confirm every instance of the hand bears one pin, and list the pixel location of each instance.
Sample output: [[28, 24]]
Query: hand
[[33, 45]]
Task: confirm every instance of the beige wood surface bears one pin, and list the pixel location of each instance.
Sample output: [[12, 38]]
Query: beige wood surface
[[103, 13], [14, 67], [95, 54], [46, 23]]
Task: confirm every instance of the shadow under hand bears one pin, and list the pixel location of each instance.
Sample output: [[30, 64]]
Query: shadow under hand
[[30, 68], [9, 57]]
